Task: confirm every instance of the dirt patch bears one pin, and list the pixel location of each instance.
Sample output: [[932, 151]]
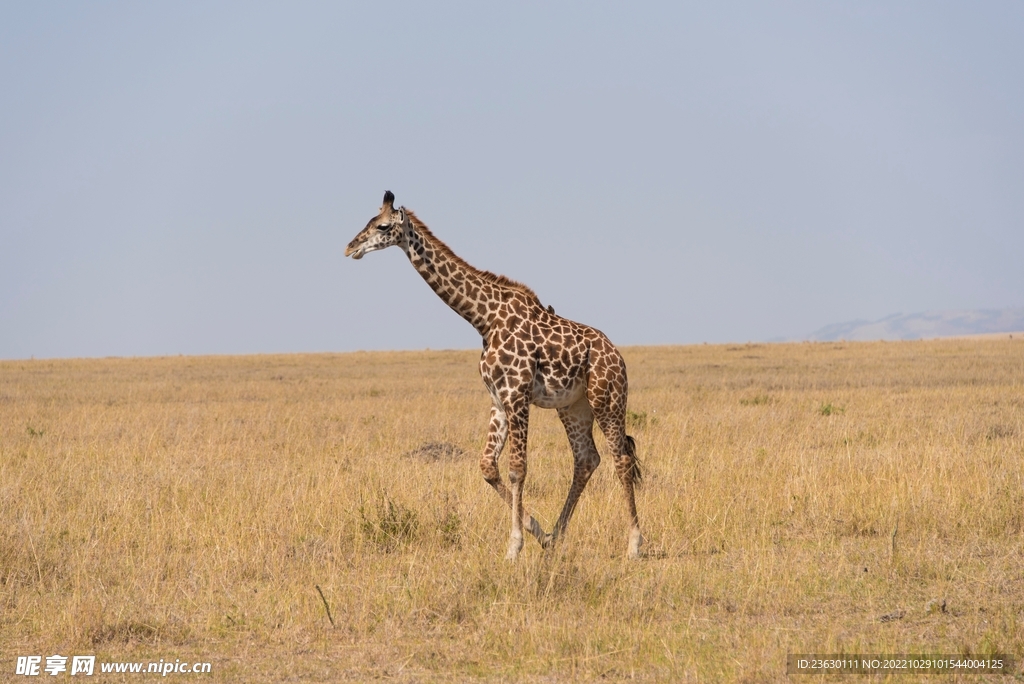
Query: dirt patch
[[437, 451]]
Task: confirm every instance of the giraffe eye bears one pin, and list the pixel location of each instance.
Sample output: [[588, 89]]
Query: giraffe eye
[[384, 227]]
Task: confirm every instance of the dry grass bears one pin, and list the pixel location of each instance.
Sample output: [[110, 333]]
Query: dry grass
[[189, 507]]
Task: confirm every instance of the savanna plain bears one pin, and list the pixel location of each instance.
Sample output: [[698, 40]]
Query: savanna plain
[[323, 517]]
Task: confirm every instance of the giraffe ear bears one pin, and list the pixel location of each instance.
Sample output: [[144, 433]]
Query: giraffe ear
[[401, 212], [389, 200]]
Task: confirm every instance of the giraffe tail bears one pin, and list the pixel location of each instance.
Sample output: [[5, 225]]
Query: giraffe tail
[[634, 466]]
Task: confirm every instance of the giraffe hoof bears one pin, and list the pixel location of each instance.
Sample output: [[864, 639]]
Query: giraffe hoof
[[635, 541], [515, 545]]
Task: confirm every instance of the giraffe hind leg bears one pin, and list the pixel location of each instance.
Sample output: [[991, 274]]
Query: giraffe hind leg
[[627, 467], [634, 466], [635, 477], [578, 421], [607, 392]]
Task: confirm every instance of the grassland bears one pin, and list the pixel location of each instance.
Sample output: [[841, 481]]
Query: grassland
[[820, 498]]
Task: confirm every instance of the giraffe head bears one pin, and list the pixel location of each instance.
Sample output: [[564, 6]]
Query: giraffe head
[[383, 230]]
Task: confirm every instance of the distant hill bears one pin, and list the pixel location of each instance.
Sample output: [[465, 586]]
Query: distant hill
[[923, 325]]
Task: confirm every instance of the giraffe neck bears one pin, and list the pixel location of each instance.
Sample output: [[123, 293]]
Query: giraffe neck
[[465, 289]]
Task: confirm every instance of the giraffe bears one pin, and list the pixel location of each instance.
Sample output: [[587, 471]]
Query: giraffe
[[530, 356]]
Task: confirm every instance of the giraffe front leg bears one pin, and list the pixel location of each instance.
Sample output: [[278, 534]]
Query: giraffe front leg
[[515, 538], [518, 426], [496, 435]]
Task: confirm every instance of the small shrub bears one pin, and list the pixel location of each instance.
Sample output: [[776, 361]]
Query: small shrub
[[759, 400], [830, 408], [637, 420], [999, 432], [450, 529], [391, 524]]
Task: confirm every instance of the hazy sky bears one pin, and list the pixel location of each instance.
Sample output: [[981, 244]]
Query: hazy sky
[[183, 177]]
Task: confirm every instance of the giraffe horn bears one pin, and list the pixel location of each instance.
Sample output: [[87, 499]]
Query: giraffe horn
[[389, 200]]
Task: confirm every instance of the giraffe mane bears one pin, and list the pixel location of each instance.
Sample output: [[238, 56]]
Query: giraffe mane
[[487, 276]]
